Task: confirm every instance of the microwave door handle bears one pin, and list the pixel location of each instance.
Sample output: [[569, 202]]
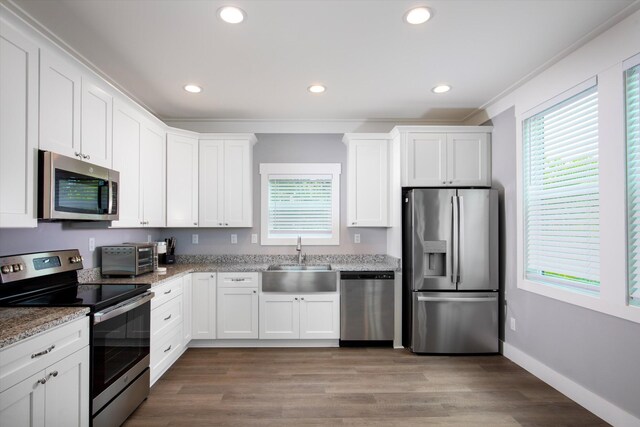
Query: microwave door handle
[[101, 316], [110, 204]]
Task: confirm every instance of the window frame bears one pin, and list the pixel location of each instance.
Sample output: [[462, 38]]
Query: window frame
[[300, 170]]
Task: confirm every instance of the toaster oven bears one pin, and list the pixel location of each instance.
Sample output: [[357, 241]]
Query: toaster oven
[[131, 259]]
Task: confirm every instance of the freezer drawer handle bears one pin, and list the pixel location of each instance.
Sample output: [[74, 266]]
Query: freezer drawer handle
[[463, 299]]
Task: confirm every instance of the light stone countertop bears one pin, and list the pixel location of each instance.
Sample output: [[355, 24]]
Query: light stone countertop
[[18, 323]]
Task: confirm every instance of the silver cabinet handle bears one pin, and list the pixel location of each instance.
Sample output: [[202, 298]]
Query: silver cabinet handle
[[42, 381], [195, 223], [296, 299], [53, 374], [168, 317], [353, 223], [255, 292], [43, 352], [141, 223], [301, 299], [219, 223], [212, 276], [168, 292], [226, 223], [77, 154], [168, 348], [444, 182], [463, 299], [86, 156], [450, 182]]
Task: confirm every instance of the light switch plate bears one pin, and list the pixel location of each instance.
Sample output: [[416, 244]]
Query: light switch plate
[[254, 238], [148, 238], [92, 244], [356, 238], [234, 239], [512, 324], [194, 239]]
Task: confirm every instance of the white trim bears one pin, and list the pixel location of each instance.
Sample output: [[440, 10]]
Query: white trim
[[631, 62], [301, 169], [580, 87], [242, 343], [581, 395]]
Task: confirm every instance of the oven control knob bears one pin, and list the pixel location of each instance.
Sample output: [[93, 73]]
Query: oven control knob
[[75, 259], [7, 269], [18, 267]]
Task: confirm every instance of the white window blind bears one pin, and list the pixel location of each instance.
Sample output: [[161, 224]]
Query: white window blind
[[300, 206], [632, 108], [561, 194]]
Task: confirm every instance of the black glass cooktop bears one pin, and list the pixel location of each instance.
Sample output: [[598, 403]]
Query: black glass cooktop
[[95, 297]]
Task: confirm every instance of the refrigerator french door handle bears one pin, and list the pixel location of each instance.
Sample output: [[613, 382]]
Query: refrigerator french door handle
[[458, 299], [454, 240], [460, 237]]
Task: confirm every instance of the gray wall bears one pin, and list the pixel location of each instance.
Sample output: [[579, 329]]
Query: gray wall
[[286, 148], [598, 351], [59, 235]]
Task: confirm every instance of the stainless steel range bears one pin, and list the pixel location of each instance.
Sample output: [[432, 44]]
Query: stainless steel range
[[120, 325]]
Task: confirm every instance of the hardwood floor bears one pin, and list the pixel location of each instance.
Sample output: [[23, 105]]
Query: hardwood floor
[[351, 386]]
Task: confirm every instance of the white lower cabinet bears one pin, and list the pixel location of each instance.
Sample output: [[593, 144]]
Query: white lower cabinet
[[237, 305], [304, 316], [203, 309], [51, 388], [166, 326]]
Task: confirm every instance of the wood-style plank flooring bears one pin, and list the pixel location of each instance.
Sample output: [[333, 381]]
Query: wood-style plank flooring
[[351, 386]]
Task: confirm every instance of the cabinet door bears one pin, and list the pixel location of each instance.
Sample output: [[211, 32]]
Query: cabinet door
[[237, 313], [211, 169], [426, 159], [204, 306], [368, 184], [279, 316], [182, 181], [320, 316], [96, 124], [60, 93], [67, 391], [23, 404], [18, 128], [187, 295], [152, 173], [127, 130], [468, 159], [237, 184]]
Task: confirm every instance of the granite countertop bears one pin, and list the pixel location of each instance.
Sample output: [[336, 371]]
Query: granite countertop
[[252, 263], [19, 323]]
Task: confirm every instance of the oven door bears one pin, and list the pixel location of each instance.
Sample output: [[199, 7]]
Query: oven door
[[120, 348]]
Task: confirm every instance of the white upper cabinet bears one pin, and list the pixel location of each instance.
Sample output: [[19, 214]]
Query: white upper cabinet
[[60, 98], [226, 181], [152, 175], [96, 124], [442, 156], [18, 128], [182, 181], [127, 129], [367, 180], [75, 111]]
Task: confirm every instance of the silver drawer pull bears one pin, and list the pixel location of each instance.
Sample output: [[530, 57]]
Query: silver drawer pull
[[168, 292], [43, 352], [168, 348], [53, 374], [168, 317], [42, 381], [242, 279]]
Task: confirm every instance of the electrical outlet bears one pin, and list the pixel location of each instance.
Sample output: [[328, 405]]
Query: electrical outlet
[[194, 239], [254, 238], [92, 244], [148, 238], [512, 324], [234, 239], [356, 238]]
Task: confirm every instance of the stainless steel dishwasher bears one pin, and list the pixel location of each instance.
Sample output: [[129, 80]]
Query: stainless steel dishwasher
[[366, 307]]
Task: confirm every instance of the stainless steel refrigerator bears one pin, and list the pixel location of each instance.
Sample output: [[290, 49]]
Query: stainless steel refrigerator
[[450, 270]]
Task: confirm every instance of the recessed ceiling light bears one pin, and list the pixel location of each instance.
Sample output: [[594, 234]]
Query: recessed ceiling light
[[193, 88], [231, 14], [317, 88], [417, 15], [441, 89]]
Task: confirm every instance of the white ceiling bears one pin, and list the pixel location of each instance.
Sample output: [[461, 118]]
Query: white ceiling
[[374, 65]]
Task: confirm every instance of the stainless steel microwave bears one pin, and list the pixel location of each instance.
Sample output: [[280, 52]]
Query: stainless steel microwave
[[71, 189], [129, 259]]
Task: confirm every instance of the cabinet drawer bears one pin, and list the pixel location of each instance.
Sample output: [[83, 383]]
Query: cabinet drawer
[[166, 316], [20, 360], [165, 292], [237, 280], [165, 351]]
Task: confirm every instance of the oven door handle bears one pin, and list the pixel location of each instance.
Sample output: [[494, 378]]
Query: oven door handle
[[101, 316]]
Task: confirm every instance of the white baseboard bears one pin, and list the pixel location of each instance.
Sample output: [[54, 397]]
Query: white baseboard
[[262, 343], [584, 397]]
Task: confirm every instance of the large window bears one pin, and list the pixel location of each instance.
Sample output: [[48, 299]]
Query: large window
[[561, 193], [632, 113], [300, 200]]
